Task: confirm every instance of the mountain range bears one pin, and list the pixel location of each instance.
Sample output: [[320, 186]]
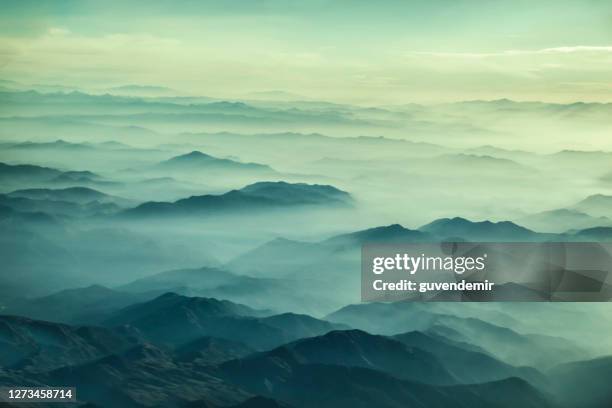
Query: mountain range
[[198, 161], [254, 197]]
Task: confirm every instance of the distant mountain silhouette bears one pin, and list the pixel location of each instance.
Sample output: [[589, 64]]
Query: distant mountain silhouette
[[300, 325], [27, 172], [562, 220], [79, 195], [197, 160], [198, 279], [594, 234], [281, 256], [596, 205], [19, 175], [448, 228], [10, 216], [258, 196], [500, 342], [388, 234], [58, 207], [466, 364], [56, 145], [212, 282], [80, 305], [477, 162], [583, 383]]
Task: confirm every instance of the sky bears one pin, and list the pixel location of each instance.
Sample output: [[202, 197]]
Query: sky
[[357, 51]]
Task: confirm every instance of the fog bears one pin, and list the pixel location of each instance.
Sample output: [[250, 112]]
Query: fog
[[532, 163]]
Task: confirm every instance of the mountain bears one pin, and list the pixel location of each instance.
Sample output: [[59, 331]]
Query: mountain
[[196, 161], [583, 383], [195, 279], [597, 205], [57, 207], [356, 348], [467, 363], [476, 163], [282, 256], [78, 195], [144, 376], [49, 146], [142, 90], [594, 234], [174, 320], [257, 292], [298, 193], [171, 302], [561, 220], [14, 218], [489, 150], [281, 375], [36, 345], [387, 318], [27, 173], [258, 196], [254, 402], [212, 350], [300, 325], [389, 234], [78, 305], [449, 228], [503, 343]]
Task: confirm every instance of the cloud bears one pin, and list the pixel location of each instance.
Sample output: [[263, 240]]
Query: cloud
[[510, 53]]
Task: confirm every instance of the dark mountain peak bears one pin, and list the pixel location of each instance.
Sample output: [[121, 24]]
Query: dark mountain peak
[[281, 190], [348, 335], [357, 348], [62, 142], [447, 221], [258, 196], [596, 198], [174, 306], [89, 290], [197, 159], [385, 234], [194, 155], [464, 228], [346, 338]]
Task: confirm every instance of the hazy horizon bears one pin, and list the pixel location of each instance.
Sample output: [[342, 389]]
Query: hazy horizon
[[390, 52]]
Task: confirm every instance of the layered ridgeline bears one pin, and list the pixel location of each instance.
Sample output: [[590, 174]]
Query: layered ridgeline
[[64, 202], [254, 197], [191, 308], [198, 161], [185, 350], [20, 174]]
